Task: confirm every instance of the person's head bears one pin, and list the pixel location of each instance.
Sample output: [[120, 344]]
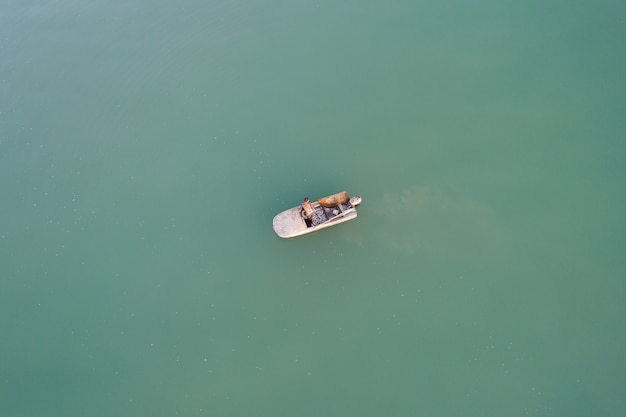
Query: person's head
[[306, 199]]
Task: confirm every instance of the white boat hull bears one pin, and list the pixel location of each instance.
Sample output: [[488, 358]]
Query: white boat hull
[[290, 223]]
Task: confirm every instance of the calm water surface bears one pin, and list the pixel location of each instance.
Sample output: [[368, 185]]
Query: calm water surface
[[146, 146]]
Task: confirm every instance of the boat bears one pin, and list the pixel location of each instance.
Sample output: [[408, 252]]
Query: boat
[[327, 211]]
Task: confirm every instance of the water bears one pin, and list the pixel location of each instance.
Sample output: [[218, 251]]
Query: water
[[146, 146]]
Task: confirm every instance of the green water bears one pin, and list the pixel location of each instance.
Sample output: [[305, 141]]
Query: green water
[[146, 146]]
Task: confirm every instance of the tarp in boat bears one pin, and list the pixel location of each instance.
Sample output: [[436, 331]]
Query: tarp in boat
[[335, 199]]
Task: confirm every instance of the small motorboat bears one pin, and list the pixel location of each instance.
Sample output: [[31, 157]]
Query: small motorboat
[[327, 211]]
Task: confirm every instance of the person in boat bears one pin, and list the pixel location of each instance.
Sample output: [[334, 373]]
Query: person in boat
[[307, 209]]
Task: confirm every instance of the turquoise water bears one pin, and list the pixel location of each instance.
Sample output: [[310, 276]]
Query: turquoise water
[[146, 146]]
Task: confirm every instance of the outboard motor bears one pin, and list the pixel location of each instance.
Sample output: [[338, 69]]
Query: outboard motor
[[355, 201]]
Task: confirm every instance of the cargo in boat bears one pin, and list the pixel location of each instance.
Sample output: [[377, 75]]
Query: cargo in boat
[[327, 211]]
